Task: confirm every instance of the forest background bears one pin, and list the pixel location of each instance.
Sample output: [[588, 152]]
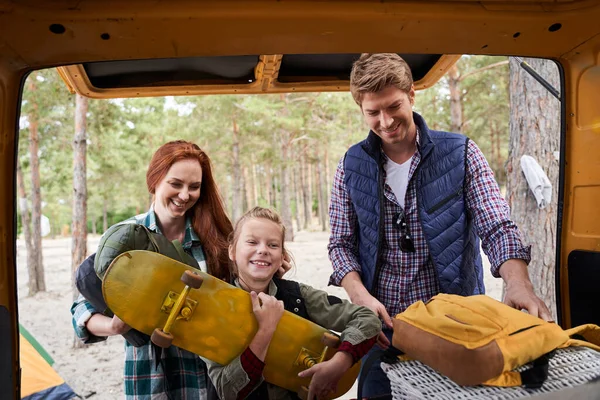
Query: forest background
[[82, 163], [263, 147]]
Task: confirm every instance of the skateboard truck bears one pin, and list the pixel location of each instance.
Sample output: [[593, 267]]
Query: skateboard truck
[[307, 358], [178, 307], [187, 309]]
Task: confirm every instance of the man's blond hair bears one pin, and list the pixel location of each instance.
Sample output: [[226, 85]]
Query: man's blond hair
[[373, 72]]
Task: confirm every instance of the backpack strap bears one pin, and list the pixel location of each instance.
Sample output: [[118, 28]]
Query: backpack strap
[[390, 356], [587, 335], [179, 248], [534, 377], [149, 233], [531, 378]]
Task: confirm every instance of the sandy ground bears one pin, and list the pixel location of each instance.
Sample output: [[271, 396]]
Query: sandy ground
[[95, 371]]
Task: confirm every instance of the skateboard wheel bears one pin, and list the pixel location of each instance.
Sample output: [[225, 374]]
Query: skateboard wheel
[[161, 339], [192, 279], [330, 340]]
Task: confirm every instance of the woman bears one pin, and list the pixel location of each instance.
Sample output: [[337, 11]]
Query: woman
[[187, 207]]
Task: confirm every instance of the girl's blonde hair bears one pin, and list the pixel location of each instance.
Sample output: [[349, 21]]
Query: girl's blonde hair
[[257, 213]]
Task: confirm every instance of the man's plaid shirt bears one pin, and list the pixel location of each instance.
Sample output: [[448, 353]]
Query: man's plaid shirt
[[179, 374], [408, 277]]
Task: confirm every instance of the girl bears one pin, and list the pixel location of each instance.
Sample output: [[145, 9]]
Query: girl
[[257, 251], [186, 206]]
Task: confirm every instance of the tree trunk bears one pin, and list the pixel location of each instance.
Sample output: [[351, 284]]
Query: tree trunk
[[254, 181], [285, 188], [308, 192], [26, 223], [455, 104], [79, 225], [244, 201], [535, 131], [269, 185], [298, 195], [248, 184], [274, 190], [236, 198], [435, 125], [259, 183], [226, 194], [104, 215], [493, 156], [496, 156], [303, 191], [499, 158], [321, 199], [36, 197], [326, 189], [325, 198], [327, 176]]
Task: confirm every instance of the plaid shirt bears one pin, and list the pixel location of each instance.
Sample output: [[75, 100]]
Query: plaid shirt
[[409, 277], [144, 377]]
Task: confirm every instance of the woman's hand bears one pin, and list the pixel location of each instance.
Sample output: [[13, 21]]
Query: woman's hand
[[118, 327], [101, 325]]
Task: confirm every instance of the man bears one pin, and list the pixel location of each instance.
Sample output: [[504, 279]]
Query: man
[[409, 206]]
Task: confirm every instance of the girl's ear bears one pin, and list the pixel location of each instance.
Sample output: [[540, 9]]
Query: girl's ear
[[231, 253]]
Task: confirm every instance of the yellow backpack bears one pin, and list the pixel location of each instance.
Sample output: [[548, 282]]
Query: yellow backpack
[[478, 340]]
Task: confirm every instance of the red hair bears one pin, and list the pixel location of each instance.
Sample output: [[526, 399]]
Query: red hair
[[209, 220]]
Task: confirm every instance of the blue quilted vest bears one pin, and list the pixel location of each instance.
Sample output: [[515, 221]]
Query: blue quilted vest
[[448, 229]]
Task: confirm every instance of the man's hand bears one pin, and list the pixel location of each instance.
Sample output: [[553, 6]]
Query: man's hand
[[326, 375], [520, 295], [365, 299], [360, 295], [519, 290]]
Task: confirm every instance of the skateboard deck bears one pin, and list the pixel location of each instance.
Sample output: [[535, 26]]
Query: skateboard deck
[[215, 321]]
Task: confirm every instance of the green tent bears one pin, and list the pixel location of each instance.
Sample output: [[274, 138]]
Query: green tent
[[39, 381]]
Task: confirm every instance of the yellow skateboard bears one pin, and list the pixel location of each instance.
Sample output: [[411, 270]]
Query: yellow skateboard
[[179, 305]]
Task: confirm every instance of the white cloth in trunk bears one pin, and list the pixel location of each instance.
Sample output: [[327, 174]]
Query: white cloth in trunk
[[537, 180]]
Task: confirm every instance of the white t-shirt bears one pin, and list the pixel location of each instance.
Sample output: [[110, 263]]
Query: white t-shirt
[[397, 178]]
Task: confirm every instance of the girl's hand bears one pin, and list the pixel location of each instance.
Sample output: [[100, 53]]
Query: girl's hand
[[326, 375], [268, 311], [285, 267]]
